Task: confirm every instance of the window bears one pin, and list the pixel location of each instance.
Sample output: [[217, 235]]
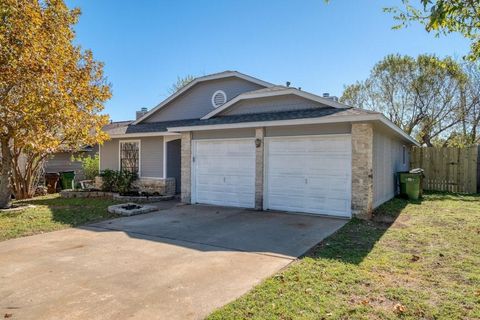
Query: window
[[219, 98], [404, 155], [130, 156]]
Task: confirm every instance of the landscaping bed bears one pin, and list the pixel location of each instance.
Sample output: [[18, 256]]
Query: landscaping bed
[[414, 261], [69, 193]]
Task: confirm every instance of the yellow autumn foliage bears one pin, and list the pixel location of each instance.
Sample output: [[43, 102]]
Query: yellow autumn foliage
[[51, 91]]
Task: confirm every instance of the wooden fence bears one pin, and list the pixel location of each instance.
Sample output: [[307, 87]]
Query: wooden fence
[[448, 169]]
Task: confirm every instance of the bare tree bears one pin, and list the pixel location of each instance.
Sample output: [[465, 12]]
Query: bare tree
[[423, 96], [180, 83]]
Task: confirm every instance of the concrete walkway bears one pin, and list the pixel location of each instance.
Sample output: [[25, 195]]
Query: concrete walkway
[[178, 263]]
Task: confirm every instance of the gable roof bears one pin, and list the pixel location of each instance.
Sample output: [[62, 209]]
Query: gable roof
[[215, 76], [275, 91], [295, 117]]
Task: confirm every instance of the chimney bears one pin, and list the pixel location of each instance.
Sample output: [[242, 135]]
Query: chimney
[[327, 95], [141, 112]]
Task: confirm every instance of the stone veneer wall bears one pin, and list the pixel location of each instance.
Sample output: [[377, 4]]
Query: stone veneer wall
[[186, 167], [160, 185], [163, 186], [362, 170], [259, 165]]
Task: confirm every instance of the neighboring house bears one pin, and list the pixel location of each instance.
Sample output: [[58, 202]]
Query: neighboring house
[[62, 161], [234, 140]]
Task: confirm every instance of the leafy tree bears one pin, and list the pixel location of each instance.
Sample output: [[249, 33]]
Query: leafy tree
[[444, 16], [427, 97], [51, 91], [180, 83], [468, 134]]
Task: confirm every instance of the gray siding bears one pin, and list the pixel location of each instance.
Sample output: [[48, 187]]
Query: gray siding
[[174, 162], [197, 102], [109, 155], [225, 134], [151, 156], [271, 104], [310, 129], [387, 161], [61, 161]]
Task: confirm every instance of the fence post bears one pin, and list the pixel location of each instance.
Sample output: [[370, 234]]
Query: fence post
[[478, 169]]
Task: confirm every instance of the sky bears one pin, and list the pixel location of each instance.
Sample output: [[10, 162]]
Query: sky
[[147, 44]]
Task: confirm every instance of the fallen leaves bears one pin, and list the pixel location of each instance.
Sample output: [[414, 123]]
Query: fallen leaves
[[399, 308]]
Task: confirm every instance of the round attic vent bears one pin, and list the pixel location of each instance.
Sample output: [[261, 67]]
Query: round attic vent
[[219, 98]]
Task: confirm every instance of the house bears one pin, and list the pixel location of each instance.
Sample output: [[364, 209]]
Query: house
[[231, 139], [66, 161]]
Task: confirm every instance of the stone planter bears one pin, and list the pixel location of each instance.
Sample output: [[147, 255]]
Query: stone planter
[[131, 209], [85, 194], [143, 199]]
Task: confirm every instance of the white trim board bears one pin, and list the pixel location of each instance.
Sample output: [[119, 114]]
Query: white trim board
[[143, 134], [221, 75], [286, 91], [320, 120]]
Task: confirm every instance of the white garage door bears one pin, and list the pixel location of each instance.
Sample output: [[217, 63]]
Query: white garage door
[[309, 174], [224, 172]]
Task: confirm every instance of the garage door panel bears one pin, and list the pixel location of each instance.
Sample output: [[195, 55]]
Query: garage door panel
[[309, 174], [225, 172], [287, 202]]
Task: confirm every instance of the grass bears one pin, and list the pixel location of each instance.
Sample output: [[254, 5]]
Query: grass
[[52, 213], [414, 261]]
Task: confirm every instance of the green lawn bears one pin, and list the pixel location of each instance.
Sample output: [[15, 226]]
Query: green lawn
[[52, 213], [424, 265]]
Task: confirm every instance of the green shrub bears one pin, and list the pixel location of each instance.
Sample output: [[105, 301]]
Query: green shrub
[[109, 180], [117, 181], [125, 180], [90, 165]]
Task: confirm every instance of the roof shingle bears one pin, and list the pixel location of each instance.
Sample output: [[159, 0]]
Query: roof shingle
[[128, 128]]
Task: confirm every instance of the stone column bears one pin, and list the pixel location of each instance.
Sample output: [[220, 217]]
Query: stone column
[[186, 167], [362, 170], [259, 156]]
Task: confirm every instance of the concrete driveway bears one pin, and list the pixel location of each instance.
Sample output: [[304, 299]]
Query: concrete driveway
[[179, 263]]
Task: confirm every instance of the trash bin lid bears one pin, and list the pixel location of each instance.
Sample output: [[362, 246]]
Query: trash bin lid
[[417, 170]]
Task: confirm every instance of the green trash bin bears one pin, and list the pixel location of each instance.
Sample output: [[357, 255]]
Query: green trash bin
[[67, 179], [411, 184]]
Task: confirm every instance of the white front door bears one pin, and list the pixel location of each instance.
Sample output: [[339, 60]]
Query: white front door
[[309, 174], [224, 172]]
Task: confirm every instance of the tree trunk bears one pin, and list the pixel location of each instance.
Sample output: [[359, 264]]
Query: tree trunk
[[5, 190]]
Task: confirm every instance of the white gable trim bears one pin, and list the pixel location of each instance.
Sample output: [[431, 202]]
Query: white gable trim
[[286, 91], [142, 134], [202, 79], [320, 120]]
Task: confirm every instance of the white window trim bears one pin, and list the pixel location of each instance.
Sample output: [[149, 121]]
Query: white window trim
[[213, 98], [139, 154]]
